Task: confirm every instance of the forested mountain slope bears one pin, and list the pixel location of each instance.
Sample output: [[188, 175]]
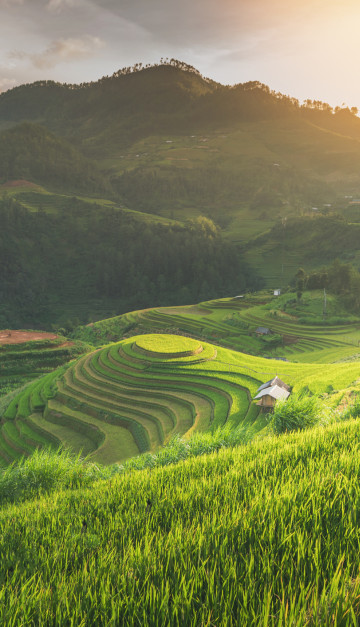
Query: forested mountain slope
[[87, 260], [174, 145], [29, 151]]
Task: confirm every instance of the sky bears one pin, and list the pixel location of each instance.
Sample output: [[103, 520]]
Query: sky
[[302, 48]]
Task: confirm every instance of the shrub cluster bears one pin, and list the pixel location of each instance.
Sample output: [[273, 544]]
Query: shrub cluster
[[298, 412]]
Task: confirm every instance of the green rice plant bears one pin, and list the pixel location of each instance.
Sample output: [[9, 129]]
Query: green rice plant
[[179, 449], [13, 438], [7, 452], [23, 405], [169, 345], [136, 428], [93, 402], [104, 388], [30, 436], [37, 402], [350, 411], [296, 413], [9, 403], [11, 409], [42, 435], [180, 410], [31, 397], [207, 320], [92, 432], [48, 389], [183, 397], [265, 533], [45, 471]]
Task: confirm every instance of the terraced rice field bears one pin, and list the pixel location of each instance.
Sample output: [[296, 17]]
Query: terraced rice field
[[308, 343], [232, 322], [125, 399], [134, 396], [25, 355]]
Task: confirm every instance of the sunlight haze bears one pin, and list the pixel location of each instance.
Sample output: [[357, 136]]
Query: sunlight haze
[[305, 49]]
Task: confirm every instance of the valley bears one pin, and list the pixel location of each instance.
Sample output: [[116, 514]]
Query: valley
[[168, 247], [132, 396]]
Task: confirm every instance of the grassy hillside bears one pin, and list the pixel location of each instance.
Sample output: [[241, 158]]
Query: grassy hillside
[[134, 396], [171, 173], [26, 358], [260, 534], [272, 168], [307, 241], [299, 332]]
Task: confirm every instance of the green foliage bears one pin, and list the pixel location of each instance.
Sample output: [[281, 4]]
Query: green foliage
[[145, 399], [169, 345], [234, 320], [316, 342], [46, 471], [179, 449], [186, 143], [350, 411], [20, 363], [272, 340], [339, 278], [100, 255], [29, 151], [212, 162], [296, 413], [312, 242], [260, 534]]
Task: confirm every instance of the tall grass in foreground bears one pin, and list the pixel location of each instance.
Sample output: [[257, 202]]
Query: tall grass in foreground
[[179, 449], [46, 470], [267, 534]]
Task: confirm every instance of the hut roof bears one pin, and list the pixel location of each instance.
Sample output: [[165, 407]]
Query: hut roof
[[275, 392], [263, 330], [275, 381]]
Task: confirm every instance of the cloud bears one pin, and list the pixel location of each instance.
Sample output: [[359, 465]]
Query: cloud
[[212, 23], [9, 3], [62, 50], [57, 5], [7, 83], [299, 47], [52, 5]]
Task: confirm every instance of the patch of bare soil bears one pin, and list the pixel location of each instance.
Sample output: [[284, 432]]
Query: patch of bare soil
[[18, 183], [193, 310], [290, 339], [19, 337]]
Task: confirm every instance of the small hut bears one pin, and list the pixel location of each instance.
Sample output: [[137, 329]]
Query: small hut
[[268, 397], [271, 391], [262, 331], [275, 381]]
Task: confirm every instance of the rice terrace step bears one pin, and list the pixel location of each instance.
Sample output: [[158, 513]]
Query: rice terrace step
[[134, 395]]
